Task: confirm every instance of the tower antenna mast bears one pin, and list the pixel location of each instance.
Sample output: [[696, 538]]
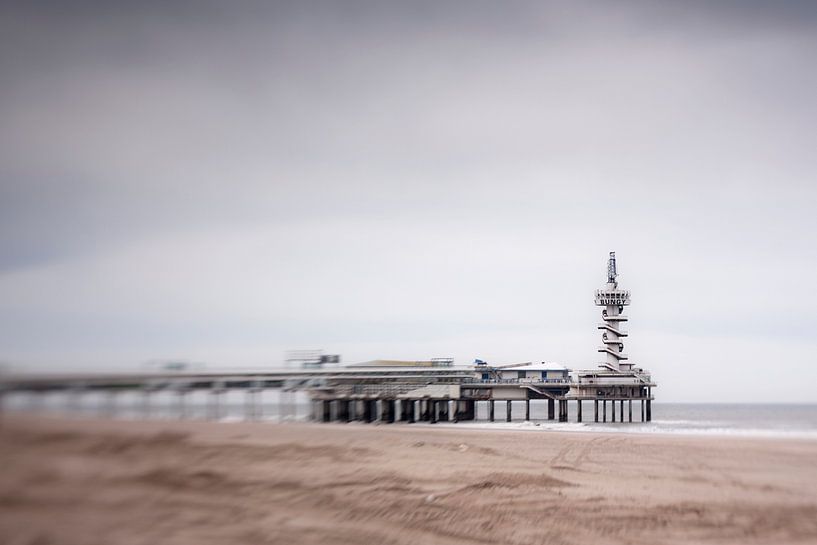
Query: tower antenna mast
[[611, 269]]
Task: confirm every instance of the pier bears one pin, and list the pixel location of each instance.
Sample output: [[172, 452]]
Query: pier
[[391, 392]]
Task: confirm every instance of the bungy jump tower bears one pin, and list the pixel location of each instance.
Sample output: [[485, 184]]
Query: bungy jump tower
[[613, 300], [616, 380]]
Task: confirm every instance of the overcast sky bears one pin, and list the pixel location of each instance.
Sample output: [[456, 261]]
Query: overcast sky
[[222, 183]]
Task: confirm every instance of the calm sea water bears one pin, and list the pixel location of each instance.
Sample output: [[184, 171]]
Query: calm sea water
[[751, 420], [756, 420]]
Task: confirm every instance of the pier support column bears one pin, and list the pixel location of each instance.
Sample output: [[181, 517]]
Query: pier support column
[[527, 410], [282, 405], [249, 403], [508, 410], [258, 400], [491, 410], [182, 402], [359, 410], [596, 408], [604, 410], [342, 410], [579, 415], [326, 410], [433, 408], [74, 399], [387, 414], [443, 410], [551, 402], [464, 410], [613, 405], [630, 409], [649, 410], [621, 411], [470, 409], [214, 408], [643, 414], [366, 413], [425, 410], [146, 402], [34, 402], [109, 405]]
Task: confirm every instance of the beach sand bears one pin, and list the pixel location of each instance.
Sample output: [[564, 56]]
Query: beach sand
[[85, 482]]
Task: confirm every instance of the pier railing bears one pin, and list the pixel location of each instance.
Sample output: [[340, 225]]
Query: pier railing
[[519, 381]]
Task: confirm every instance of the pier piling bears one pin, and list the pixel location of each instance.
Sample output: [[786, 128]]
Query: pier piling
[[181, 394], [368, 410], [404, 410], [249, 404], [596, 410], [326, 410], [579, 414], [508, 410], [470, 409], [425, 410], [110, 407], [443, 407], [146, 402], [342, 410], [551, 403], [388, 411]]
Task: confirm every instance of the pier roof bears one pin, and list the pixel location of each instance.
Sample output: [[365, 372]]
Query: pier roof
[[543, 366]]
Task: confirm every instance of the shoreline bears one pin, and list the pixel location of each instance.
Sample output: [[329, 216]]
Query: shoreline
[[537, 425]]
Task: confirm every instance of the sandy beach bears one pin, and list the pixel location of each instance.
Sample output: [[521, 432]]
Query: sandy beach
[[83, 482]]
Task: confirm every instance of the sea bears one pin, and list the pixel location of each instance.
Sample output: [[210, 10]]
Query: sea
[[718, 419]]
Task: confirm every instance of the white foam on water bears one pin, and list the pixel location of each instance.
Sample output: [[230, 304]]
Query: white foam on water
[[625, 428]]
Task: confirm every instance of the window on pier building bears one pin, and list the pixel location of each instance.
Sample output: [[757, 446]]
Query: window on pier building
[[520, 374]]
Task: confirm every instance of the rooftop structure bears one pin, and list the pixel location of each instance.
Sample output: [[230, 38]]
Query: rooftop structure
[[433, 362]]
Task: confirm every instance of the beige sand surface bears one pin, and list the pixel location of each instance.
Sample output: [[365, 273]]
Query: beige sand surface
[[91, 482]]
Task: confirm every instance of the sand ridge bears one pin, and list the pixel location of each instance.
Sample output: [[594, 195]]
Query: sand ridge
[[94, 481]]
